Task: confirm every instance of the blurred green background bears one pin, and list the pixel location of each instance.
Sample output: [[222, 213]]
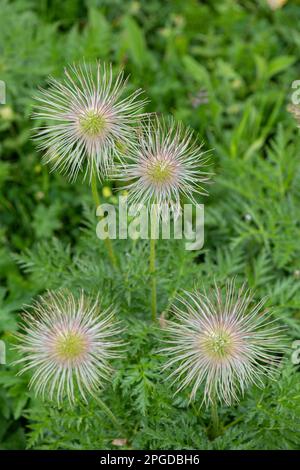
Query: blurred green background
[[223, 67]]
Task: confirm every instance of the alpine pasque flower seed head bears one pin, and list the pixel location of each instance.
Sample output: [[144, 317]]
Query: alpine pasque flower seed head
[[167, 163], [88, 119], [223, 341], [68, 343]]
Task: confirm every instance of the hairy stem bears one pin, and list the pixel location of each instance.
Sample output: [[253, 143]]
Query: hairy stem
[[153, 278], [152, 265], [215, 422], [233, 423], [108, 412], [107, 241]]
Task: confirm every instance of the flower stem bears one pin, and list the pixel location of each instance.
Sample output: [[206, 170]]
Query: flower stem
[[107, 241], [107, 411], [233, 423], [153, 278], [215, 427]]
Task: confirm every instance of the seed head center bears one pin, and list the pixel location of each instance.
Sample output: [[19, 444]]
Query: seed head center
[[219, 344], [70, 346], [92, 124], [160, 172]]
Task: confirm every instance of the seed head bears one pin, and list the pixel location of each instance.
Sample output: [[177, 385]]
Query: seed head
[[222, 341], [167, 163], [68, 343], [88, 119]]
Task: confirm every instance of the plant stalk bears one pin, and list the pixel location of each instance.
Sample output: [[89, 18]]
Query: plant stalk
[[153, 279], [107, 411], [152, 265], [215, 428], [107, 241]]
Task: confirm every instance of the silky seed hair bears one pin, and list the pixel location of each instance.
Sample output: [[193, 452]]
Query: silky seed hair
[[89, 119], [167, 163], [222, 342], [68, 343]]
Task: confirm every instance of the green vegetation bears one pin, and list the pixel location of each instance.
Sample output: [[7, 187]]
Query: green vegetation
[[225, 68]]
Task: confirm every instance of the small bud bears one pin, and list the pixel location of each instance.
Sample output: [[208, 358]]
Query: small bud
[[106, 191], [6, 113]]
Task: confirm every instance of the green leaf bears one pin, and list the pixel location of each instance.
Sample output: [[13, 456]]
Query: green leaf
[[197, 71], [135, 42], [279, 64]]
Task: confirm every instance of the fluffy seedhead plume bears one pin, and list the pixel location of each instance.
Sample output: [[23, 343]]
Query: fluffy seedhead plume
[[166, 164], [68, 343], [222, 341], [89, 119]]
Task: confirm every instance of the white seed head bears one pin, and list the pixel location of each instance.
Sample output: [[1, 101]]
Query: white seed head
[[222, 342], [68, 342], [88, 119], [166, 163]]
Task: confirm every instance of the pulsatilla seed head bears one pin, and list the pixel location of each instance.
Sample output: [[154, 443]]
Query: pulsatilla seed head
[[166, 164], [222, 341], [68, 342], [89, 118]]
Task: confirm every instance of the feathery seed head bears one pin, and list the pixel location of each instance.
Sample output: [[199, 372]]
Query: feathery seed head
[[160, 172], [92, 124], [70, 346], [166, 164], [218, 344], [68, 342], [88, 119], [222, 341]]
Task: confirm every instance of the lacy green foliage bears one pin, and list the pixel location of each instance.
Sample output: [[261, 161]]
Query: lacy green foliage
[[225, 68], [152, 419]]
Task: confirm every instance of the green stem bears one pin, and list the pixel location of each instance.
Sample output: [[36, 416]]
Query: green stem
[[153, 279], [107, 411], [215, 428], [107, 241], [233, 423]]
